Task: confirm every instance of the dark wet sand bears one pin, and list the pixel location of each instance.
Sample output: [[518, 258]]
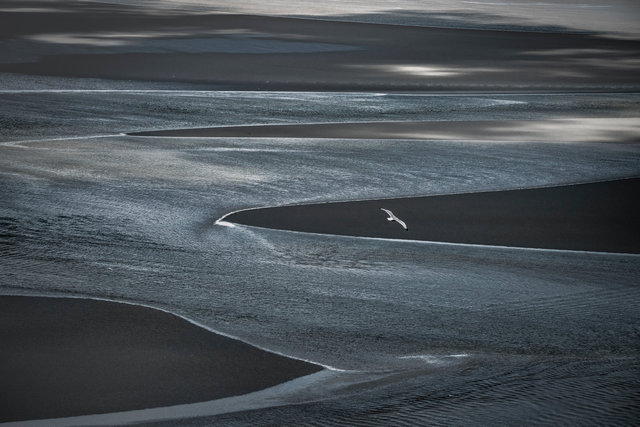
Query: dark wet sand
[[351, 130], [493, 130], [65, 357], [385, 57], [603, 217]]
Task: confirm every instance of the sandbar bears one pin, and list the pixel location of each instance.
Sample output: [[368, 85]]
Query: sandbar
[[64, 357], [253, 52], [564, 130], [599, 217]]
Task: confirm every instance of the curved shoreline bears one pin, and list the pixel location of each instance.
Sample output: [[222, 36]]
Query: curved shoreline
[[560, 130], [593, 217], [67, 357]]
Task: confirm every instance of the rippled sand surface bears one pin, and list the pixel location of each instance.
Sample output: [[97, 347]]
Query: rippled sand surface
[[408, 332], [422, 329]]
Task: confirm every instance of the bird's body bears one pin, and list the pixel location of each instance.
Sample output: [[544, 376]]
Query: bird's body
[[392, 217]]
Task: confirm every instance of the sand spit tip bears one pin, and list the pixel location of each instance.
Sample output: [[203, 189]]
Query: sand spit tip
[[225, 223]]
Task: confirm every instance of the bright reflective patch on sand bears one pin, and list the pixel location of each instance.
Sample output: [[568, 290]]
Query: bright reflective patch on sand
[[97, 39], [417, 70], [432, 359], [32, 10], [127, 37], [78, 158], [575, 130], [310, 387], [33, 47], [536, 4], [422, 70], [226, 224], [570, 52], [247, 150]]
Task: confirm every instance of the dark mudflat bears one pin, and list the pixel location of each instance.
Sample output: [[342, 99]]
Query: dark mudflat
[[602, 217], [367, 56], [65, 357], [493, 130]]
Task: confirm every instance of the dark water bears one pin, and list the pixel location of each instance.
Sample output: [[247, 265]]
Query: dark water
[[416, 332]]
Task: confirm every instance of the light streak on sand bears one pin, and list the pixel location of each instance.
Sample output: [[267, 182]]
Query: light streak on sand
[[445, 244], [62, 138], [535, 4], [303, 94], [225, 224], [251, 401], [437, 359], [330, 377]]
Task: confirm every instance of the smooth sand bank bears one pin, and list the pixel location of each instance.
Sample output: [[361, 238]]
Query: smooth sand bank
[[578, 130], [602, 217], [276, 53], [63, 357]]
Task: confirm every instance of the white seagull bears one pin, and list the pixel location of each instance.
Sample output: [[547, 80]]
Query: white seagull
[[392, 217]]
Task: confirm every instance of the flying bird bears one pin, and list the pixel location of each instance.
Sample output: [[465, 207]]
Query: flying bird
[[392, 217]]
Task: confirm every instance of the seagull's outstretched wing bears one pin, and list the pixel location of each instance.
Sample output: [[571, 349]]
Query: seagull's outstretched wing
[[402, 223]]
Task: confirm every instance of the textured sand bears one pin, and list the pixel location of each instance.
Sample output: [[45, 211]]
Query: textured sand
[[568, 130], [267, 52], [64, 357], [603, 217]]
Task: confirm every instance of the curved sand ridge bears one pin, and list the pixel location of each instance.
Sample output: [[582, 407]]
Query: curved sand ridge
[[566, 130], [600, 217], [63, 357]]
